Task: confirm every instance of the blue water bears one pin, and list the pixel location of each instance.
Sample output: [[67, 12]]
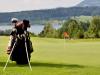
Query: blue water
[[34, 28]]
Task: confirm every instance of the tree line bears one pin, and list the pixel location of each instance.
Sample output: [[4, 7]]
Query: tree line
[[74, 28]]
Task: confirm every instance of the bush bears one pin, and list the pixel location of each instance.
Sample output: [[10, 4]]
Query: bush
[[5, 32]]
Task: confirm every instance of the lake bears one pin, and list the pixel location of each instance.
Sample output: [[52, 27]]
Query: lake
[[34, 28]]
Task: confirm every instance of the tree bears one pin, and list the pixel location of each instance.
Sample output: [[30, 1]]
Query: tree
[[94, 28], [48, 31], [73, 28]]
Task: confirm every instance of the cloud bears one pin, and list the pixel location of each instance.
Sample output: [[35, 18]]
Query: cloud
[[18, 5]]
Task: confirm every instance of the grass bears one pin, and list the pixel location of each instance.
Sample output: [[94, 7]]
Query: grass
[[56, 57]]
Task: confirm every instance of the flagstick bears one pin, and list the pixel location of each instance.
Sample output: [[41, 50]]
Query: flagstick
[[64, 42]]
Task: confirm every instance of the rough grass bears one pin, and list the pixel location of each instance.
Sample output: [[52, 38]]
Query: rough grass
[[56, 57]]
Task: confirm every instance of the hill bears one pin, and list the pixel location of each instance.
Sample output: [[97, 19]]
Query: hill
[[89, 3], [58, 13]]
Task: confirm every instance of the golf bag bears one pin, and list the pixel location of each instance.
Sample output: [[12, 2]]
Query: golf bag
[[20, 39]]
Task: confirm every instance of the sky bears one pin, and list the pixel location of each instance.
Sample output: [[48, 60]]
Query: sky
[[22, 5]]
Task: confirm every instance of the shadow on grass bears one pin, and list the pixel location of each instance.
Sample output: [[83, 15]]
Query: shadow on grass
[[40, 64]]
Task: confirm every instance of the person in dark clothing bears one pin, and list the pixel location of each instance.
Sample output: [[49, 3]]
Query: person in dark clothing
[[18, 36]]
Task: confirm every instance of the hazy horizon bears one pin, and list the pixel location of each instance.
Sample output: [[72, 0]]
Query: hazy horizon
[[23, 5]]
